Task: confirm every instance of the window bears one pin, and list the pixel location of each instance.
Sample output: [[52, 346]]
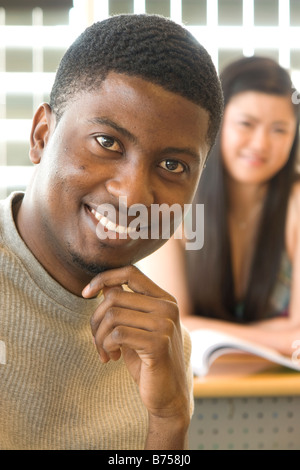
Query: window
[[35, 34]]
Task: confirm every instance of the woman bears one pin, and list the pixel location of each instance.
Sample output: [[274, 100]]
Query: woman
[[246, 279]]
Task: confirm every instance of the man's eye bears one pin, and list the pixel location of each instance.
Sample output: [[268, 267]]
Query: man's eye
[[109, 143], [173, 166]]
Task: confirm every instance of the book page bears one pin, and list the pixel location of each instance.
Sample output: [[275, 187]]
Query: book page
[[208, 345]]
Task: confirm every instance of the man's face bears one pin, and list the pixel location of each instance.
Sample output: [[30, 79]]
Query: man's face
[[131, 139]]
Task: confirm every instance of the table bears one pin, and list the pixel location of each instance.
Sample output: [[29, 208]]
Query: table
[[246, 403]]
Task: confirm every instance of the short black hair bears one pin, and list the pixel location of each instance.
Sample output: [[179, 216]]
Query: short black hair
[[150, 46]]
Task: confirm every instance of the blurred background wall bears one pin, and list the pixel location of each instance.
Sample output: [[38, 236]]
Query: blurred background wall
[[35, 33]]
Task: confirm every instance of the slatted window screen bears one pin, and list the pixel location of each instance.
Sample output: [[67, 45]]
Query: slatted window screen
[[35, 34]]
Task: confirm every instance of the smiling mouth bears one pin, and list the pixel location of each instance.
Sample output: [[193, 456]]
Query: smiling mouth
[[253, 158], [110, 225]]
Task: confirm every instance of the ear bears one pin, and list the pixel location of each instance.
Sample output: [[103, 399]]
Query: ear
[[42, 124]]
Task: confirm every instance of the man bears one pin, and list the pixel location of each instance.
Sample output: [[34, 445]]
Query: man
[[133, 112]]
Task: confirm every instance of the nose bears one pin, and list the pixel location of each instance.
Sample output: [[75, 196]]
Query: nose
[[132, 181], [260, 139]]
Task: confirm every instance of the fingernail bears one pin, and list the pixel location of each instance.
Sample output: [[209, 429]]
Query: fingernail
[[100, 294], [102, 356], [86, 290]]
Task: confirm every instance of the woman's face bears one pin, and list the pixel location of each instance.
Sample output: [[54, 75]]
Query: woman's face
[[257, 135]]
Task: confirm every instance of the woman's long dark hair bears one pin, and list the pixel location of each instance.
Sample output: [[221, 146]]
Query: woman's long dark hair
[[210, 274]]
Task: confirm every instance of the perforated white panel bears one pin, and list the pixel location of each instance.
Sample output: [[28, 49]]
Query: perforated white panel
[[267, 423]]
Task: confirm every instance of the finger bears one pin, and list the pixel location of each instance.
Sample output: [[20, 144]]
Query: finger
[[109, 344], [134, 302], [116, 316], [150, 347], [104, 357], [128, 275], [158, 328], [131, 338]]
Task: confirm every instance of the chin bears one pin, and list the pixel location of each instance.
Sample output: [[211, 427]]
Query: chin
[[90, 268]]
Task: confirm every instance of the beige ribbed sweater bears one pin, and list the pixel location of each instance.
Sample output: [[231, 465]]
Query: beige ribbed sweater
[[54, 391]]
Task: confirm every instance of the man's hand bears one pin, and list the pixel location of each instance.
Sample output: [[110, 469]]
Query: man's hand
[[143, 325]]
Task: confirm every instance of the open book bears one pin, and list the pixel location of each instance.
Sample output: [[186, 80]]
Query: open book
[[208, 345]]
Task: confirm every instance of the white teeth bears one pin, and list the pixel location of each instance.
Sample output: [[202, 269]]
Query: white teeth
[[109, 225], [121, 229], [97, 215], [103, 220]]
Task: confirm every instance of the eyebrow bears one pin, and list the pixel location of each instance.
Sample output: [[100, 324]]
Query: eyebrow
[[114, 125], [249, 116], [167, 151], [182, 150]]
